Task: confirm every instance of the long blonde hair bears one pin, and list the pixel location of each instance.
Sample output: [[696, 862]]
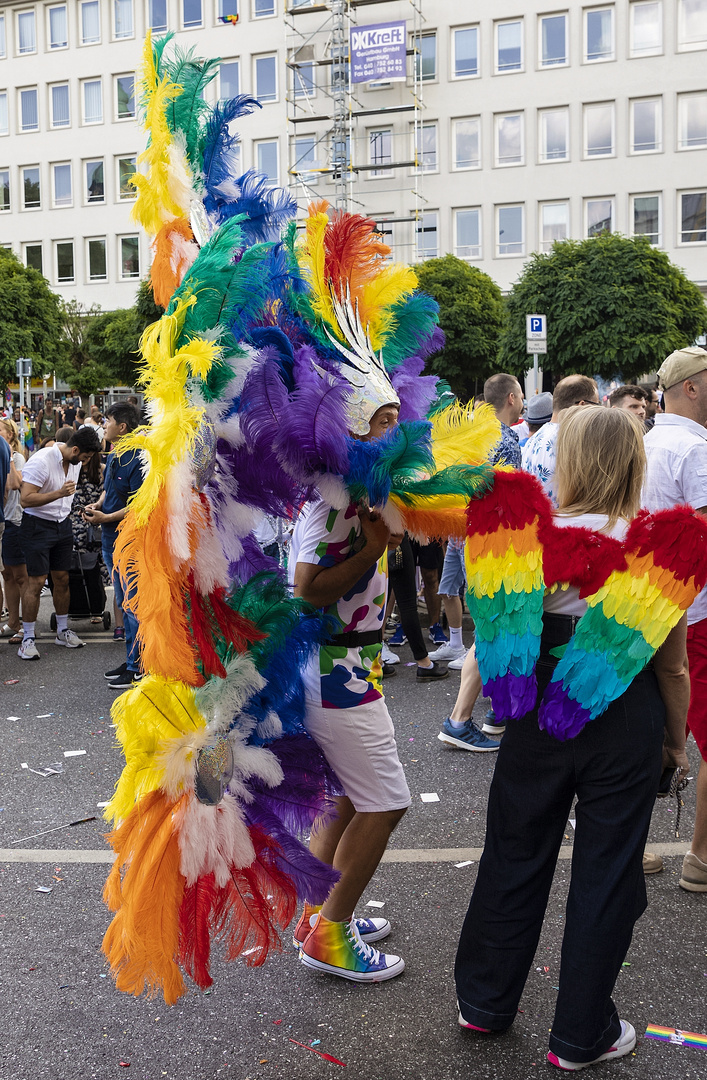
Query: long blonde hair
[[14, 433], [601, 463]]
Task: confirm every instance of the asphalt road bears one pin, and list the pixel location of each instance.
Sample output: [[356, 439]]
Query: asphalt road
[[63, 1019]]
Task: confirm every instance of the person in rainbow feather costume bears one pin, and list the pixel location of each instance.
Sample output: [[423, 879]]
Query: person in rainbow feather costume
[[253, 378]]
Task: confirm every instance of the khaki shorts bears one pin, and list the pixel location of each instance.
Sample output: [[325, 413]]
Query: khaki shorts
[[359, 744]]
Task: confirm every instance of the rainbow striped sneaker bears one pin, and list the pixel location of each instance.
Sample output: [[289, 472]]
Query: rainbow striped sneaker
[[337, 948], [369, 929]]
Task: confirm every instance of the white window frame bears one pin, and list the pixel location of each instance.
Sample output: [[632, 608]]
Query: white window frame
[[220, 14], [543, 245], [114, 24], [87, 201], [84, 121], [659, 126], [257, 143], [457, 246], [426, 213], [598, 198], [53, 167], [20, 91], [655, 50], [300, 91], [464, 120], [49, 9], [271, 15], [83, 43], [3, 36], [585, 16], [8, 170], [192, 25], [116, 116], [231, 60], [419, 153], [51, 88], [266, 56], [682, 107], [25, 52], [383, 172], [496, 26], [680, 230], [121, 275], [119, 197], [587, 156], [687, 46], [543, 158], [497, 222], [453, 50], [417, 58], [149, 16], [72, 279], [24, 207], [498, 117], [550, 65], [647, 195], [87, 255], [301, 175], [5, 94], [33, 244]]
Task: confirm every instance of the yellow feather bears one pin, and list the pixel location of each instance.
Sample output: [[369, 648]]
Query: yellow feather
[[462, 435], [388, 287], [311, 255]]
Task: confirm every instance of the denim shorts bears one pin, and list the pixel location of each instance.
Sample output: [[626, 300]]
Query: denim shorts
[[453, 573]]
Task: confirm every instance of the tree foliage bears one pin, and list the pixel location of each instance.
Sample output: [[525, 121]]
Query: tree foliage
[[471, 316], [615, 306], [30, 318]]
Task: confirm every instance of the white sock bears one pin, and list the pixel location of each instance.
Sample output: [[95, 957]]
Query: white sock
[[458, 723], [62, 623], [455, 637], [28, 630]]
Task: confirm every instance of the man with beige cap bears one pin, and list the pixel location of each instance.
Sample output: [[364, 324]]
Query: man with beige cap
[[676, 449]]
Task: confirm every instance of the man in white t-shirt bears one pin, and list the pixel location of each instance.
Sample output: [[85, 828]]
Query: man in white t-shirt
[[48, 484], [676, 449]]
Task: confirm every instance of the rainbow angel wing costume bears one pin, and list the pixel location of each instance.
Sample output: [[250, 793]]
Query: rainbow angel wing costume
[[274, 349]]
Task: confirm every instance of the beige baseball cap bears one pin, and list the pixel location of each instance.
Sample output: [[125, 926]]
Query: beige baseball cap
[[680, 365]]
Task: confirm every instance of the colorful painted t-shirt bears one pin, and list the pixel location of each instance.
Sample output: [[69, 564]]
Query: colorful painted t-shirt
[[339, 677]]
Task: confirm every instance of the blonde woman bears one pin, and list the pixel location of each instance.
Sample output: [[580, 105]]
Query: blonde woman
[[613, 767], [14, 571]]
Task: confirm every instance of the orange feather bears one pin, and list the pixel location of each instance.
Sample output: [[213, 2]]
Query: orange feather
[[172, 258]]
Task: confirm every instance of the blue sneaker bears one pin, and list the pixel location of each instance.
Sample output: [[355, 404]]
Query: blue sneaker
[[398, 638], [466, 738], [492, 726], [437, 635]]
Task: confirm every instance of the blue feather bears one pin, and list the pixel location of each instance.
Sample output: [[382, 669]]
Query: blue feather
[[220, 158], [266, 208]]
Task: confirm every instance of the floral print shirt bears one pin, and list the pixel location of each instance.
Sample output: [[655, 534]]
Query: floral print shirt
[[539, 454]]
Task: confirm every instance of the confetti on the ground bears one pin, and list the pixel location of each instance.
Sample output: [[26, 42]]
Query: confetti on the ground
[[573, 822], [429, 796], [676, 1036], [44, 715], [102, 805], [327, 1057], [376, 903], [460, 864], [11, 682], [44, 888], [74, 753], [13, 718]]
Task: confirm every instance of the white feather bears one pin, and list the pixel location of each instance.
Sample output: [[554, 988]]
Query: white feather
[[220, 700], [210, 565], [180, 182], [211, 839], [270, 727], [179, 485], [250, 762], [333, 491], [178, 759], [392, 517]]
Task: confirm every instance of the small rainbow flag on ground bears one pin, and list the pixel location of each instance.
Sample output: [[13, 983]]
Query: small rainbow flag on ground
[[676, 1036]]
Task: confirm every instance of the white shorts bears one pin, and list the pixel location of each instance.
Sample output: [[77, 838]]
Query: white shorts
[[359, 744]]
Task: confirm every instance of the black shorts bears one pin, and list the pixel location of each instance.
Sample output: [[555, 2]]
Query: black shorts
[[429, 556], [47, 544], [12, 552]]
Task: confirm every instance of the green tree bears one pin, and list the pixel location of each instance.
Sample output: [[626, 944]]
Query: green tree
[[614, 306], [30, 318], [76, 362], [114, 337], [471, 316]]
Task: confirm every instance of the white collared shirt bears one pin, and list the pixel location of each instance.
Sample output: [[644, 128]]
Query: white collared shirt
[[676, 449], [45, 470]]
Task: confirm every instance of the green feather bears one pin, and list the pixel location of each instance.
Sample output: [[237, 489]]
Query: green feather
[[187, 113], [158, 47], [414, 319], [466, 480]]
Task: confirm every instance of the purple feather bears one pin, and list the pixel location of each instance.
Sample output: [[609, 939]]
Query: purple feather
[[512, 696], [263, 403], [253, 561], [312, 431], [312, 879], [415, 390], [431, 344], [262, 482], [560, 715]]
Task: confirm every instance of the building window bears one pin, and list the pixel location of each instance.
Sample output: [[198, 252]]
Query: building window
[[510, 226], [426, 148], [646, 27], [646, 217], [599, 216], [267, 160], [127, 166], [125, 96], [31, 195], [554, 134], [4, 189], [509, 46], [599, 34], [266, 78], [646, 134], [553, 41], [90, 22], [426, 57], [467, 233], [97, 265], [692, 121], [554, 223], [33, 257], [64, 262], [157, 16], [226, 8], [465, 52], [123, 18], [304, 79], [29, 115], [509, 139], [598, 130], [380, 146], [305, 162], [4, 114], [58, 28], [692, 24], [263, 8], [693, 217], [467, 143], [26, 33], [61, 185], [129, 257], [426, 236], [191, 13], [3, 38], [92, 97], [95, 191], [60, 105], [229, 79]]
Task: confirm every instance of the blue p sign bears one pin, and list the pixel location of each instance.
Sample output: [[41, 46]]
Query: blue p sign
[[536, 325]]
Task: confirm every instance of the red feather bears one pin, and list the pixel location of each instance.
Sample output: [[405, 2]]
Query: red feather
[[353, 251], [195, 930], [677, 540]]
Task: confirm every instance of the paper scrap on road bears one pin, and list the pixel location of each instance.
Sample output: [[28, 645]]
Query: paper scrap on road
[[676, 1036], [429, 796], [376, 903], [102, 805], [44, 888], [48, 770], [74, 753], [44, 715], [573, 822], [13, 718], [460, 864]]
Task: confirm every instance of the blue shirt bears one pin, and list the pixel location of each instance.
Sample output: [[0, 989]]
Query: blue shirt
[[5, 459], [122, 479]]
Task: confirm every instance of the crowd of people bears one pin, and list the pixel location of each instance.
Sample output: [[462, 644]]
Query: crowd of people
[[62, 504]]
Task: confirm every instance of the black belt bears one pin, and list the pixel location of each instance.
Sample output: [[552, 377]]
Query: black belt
[[356, 639]]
